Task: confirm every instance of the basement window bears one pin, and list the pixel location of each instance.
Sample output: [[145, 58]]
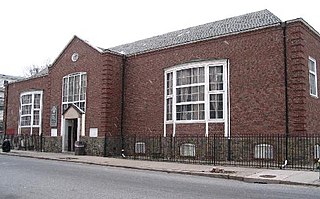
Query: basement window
[[140, 148], [188, 150], [263, 151]]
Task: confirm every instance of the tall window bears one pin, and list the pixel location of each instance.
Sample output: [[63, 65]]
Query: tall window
[[74, 90], [30, 109], [196, 92], [313, 77]]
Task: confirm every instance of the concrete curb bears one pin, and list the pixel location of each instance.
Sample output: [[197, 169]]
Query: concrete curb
[[203, 174]]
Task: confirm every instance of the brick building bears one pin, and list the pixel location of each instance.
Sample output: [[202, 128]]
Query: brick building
[[250, 74]]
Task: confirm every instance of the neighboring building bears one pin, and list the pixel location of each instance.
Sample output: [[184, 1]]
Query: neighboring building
[[251, 74], [4, 78]]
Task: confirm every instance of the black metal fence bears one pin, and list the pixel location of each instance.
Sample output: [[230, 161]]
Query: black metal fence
[[267, 151], [26, 142]]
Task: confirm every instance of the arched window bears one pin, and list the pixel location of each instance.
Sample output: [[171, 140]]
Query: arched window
[[74, 90]]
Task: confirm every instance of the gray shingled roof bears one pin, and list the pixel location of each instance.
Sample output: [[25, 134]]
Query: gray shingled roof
[[210, 30]]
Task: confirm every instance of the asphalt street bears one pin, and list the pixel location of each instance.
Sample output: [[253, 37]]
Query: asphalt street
[[34, 178]]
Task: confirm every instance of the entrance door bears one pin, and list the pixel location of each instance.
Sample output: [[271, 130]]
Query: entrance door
[[72, 133]]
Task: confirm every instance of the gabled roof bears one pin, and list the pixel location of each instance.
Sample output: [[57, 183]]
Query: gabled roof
[[202, 32]]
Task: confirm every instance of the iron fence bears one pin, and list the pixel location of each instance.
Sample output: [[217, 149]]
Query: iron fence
[[266, 151], [26, 142]]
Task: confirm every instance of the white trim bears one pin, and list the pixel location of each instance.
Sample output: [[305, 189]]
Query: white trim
[[83, 124], [78, 128], [165, 106], [315, 76], [207, 100], [228, 128], [174, 116], [63, 121]]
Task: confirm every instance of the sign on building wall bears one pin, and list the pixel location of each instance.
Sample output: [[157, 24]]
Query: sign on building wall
[[54, 116]]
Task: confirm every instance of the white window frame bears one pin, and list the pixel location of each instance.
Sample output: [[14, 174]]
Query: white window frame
[[79, 100], [314, 73], [31, 114], [207, 119]]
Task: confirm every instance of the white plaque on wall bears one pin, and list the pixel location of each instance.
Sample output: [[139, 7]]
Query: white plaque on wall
[[93, 132], [54, 132]]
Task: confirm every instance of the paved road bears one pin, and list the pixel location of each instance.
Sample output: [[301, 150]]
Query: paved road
[[33, 178]]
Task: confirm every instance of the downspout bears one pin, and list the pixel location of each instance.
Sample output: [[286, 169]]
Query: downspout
[[124, 64], [6, 85], [284, 29]]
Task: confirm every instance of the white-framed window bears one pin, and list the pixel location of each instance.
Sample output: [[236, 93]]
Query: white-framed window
[[74, 90], [196, 92], [30, 109], [313, 77]]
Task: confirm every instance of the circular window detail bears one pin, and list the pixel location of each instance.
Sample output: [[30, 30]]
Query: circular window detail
[[75, 57]]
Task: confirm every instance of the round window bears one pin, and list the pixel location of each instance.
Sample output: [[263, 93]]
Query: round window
[[75, 57]]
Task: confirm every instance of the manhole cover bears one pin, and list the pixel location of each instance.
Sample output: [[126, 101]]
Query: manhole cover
[[267, 176]]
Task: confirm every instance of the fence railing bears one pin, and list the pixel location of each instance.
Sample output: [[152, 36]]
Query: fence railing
[[267, 151], [26, 142]]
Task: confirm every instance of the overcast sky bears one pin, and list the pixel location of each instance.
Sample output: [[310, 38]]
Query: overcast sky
[[34, 32]]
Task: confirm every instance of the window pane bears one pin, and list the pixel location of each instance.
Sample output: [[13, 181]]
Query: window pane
[[312, 79], [215, 78], [26, 99], [26, 109], [37, 101], [65, 90], [169, 109], [35, 117], [25, 121], [312, 65], [190, 94], [190, 112], [169, 83], [216, 106]]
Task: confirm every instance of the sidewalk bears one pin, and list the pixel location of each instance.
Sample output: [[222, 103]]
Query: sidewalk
[[252, 175]]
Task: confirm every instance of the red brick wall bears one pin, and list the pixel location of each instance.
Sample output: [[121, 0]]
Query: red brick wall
[[13, 105], [103, 89], [256, 83], [304, 112], [103, 83]]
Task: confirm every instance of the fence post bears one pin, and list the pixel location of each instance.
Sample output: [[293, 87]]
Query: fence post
[[41, 136], [214, 149], [229, 149], [105, 145], [25, 142]]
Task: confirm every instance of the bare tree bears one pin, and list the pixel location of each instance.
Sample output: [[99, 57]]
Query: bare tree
[[36, 69]]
